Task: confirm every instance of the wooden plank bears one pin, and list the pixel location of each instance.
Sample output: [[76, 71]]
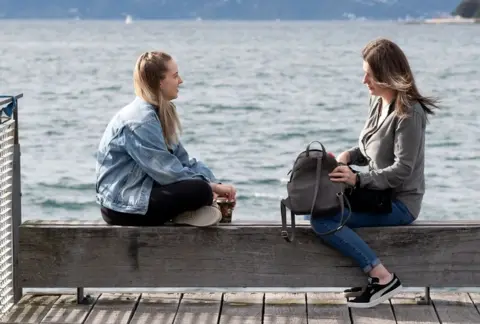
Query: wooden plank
[[380, 314], [32, 308], [455, 308], [113, 308], [475, 297], [408, 311], [182, 256], [289, 308], [156, 308], [67, 311], [199, 308], [327, 308], [235, 222], [242, 308]]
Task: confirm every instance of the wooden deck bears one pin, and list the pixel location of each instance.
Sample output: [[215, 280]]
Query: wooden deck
[[242, 308]]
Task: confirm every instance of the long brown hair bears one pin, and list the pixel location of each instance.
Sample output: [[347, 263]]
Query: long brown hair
[[390, 69], [150, 69]]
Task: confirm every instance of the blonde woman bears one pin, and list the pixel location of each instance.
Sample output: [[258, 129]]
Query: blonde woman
[[392, 145], [145, 176]]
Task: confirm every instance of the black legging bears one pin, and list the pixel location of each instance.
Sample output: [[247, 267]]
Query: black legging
[[166, 202]]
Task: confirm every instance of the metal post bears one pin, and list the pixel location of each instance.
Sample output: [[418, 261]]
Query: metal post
[[81, 298], [16, 206], [425, 300], [427, 296], [10, 202], [16, 221], [80, 295]]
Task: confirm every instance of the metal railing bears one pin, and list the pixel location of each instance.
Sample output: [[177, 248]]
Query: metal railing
[[10, 201]]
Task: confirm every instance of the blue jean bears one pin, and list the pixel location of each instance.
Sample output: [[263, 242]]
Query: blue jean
[[347, 242]]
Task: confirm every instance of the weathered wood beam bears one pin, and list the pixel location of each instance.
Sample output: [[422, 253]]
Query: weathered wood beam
[[91, 254]]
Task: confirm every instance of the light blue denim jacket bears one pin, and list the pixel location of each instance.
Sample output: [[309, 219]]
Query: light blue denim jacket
[[132, 155]]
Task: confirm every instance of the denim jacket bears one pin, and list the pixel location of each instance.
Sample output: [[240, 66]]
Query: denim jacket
[[132, 155]]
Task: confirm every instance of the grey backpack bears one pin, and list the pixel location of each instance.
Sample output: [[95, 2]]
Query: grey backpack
[[310, 190]]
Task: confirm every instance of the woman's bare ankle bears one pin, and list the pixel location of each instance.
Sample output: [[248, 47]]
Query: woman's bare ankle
[[383, 275]]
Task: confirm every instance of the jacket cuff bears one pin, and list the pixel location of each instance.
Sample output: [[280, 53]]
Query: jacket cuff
[[365, 179], [354, 153]]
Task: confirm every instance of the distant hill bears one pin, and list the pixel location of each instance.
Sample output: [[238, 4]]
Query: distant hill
[[468, 9], [227, 9]]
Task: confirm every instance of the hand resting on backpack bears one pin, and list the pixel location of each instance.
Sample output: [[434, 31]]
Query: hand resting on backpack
[[343, 173]]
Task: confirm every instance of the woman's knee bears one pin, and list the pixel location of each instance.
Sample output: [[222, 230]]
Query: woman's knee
[[328, 221], [201, 190], [204, 189], [323, 224]]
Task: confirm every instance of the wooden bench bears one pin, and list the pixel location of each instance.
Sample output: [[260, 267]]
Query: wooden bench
[[92, 254]]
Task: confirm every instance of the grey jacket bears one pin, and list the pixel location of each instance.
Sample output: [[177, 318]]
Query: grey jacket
[[395, 154]]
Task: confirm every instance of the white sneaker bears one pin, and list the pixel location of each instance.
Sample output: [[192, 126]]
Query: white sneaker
[[202, 217]]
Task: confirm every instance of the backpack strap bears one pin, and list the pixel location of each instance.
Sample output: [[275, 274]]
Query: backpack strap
[[343, 200], [317, 181], [283, 211], [307, 151]]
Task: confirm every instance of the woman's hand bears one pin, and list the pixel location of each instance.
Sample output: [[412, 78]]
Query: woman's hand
[[224, 190], [344, 174]]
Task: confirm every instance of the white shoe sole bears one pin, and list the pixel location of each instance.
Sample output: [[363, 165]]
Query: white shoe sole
[[202, 217], [376, 301]]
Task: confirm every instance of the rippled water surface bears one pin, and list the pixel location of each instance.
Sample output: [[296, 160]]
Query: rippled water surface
[[255, 93]]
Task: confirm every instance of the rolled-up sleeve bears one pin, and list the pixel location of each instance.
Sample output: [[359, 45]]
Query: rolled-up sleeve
[[356, 157], [146, 145]]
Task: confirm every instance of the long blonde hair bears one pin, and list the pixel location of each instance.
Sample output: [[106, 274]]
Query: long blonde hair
[[150, 69], [390, 69]]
